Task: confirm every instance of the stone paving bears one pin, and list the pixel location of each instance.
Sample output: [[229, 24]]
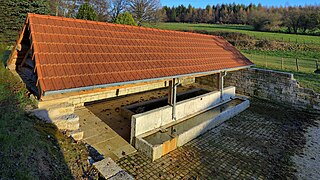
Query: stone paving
[[101, 137], [256, 144], [106, 130]]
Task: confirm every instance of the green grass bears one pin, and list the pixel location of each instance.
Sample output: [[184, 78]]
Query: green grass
[[287, 64], [29, 148], [306, 55], [241, 29]]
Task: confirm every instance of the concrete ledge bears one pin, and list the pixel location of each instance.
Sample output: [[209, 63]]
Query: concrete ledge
[[162, 141]]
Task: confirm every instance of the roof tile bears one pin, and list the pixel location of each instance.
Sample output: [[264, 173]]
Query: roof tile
[[74, 53]]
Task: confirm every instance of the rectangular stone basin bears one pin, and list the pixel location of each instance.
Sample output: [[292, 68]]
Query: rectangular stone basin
[[163, 140], [128, 111], [160, 117]]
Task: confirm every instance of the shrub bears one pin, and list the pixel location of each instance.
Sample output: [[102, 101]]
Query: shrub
[[125, 18]]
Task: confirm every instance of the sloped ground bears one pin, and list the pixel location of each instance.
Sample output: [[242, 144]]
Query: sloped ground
[[258, 143], [30, 149]]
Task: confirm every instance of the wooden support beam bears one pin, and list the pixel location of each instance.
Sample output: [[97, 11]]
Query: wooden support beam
[[25, 57], [221, 83], [170, 93]]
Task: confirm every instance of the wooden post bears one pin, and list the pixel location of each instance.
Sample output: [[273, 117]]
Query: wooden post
[[172, 96], [266, 60], [297, 65], [170, 93], [221, 82], [282, 63]]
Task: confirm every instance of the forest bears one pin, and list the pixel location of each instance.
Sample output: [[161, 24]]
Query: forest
[[297, 19]]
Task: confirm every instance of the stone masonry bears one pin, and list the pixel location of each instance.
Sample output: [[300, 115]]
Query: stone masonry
[[78, 99], [59, 110], [270, 85]]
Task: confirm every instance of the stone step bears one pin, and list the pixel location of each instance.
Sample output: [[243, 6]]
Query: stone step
[[110, 170], [54, 111], [67, 122], [77, 135]]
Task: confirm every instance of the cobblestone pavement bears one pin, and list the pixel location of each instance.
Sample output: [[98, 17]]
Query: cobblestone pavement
[[256, 144], [308, 162]]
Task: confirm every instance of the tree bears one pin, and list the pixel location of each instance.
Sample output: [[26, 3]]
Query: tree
[[66, 8], [117, 7], [125, 18], [258, 18], [13, 14], [208, 15], [101, 7], [309, 19], [291, 19], [144, 10], [86, 12]]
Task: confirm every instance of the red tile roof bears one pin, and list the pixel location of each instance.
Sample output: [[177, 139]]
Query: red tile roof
[[72, 53]]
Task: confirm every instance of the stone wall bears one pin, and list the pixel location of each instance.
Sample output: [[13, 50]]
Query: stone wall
[[269, 85], [78, 99]]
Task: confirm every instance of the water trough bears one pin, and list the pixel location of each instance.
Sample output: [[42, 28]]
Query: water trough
[[155, 133]]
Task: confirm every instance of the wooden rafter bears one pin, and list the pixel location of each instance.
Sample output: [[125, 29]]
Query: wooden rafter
[[25, 57]]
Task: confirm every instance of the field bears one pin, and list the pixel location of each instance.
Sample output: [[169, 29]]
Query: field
[[241, 29], [283, 60]]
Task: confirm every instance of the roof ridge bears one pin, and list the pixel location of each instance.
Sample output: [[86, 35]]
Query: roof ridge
[[117, 25]]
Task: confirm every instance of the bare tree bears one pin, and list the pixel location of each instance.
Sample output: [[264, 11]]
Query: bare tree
[[66, 8], [144, 10], [117, 7], [101, 8]]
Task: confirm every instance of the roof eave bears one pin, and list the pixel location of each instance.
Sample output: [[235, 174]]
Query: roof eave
[[46, 93]]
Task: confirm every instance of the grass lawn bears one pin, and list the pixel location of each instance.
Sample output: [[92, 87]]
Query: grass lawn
[[29, 148], [239, 28]]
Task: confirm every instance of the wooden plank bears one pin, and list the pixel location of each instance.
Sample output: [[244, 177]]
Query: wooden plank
[[14, 51]]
